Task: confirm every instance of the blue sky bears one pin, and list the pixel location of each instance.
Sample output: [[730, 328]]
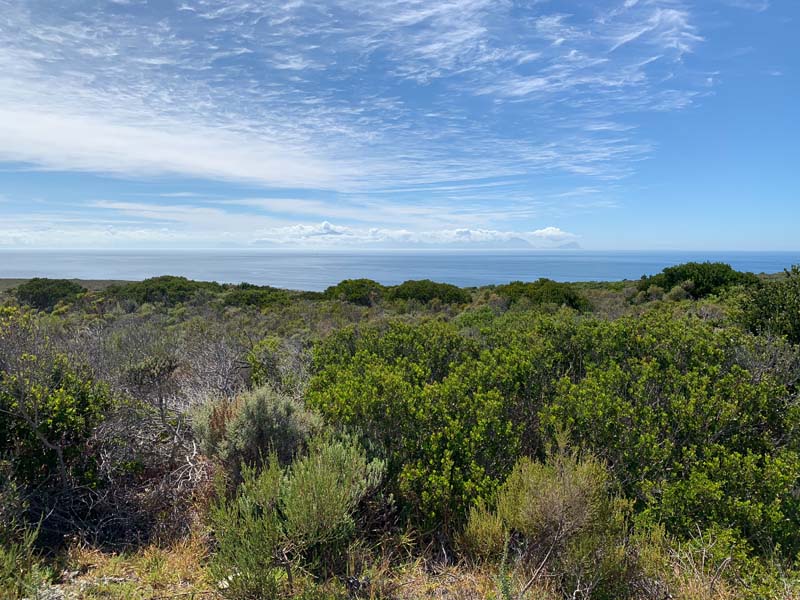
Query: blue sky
[[615, 124]]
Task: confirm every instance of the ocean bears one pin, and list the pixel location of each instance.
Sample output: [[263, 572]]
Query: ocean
[[317, 270]]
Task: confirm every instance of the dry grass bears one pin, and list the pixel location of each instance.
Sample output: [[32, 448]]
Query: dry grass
[[152, 572], [421, 581]]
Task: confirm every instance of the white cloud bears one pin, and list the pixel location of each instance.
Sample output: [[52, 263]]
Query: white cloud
[[291, 94], [553, 234], [328, 235], [90, 143]]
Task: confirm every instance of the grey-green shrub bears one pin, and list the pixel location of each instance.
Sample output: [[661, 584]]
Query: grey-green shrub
[[254, 425], [320, 494], [283, 518]]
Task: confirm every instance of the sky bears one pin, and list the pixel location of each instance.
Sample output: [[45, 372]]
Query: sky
[[398, 124]]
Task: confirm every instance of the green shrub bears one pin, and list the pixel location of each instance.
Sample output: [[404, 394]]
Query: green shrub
[[20, 568], [246, 294], [365, 292], [51, 409], [167, 289], [320, 494], [425, 291], [21, 572], [485, 536], [279, 521], [706, 278], [774, 307], [249, 538], [543, 291], [45, 294], [253, 426], [419, 398], [695, 445]]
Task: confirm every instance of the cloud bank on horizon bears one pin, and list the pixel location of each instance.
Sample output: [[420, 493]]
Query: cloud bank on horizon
[[345, 123]]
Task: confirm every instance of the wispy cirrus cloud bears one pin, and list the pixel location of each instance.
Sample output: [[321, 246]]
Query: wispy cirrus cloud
[[403, 114], [272, 92]]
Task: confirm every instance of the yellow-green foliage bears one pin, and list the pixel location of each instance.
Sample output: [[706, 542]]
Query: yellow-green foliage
[[413, 397], [565, 521], [50, 409]]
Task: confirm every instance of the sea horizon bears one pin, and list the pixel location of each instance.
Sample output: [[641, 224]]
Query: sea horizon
[[314, 270]]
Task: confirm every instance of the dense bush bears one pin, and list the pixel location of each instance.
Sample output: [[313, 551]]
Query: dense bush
[[417, 398], [706, 278], [254, 426], [543, 291], [774, 307], [246, 294], [365, 292], [45, 294], [695, 439], [425, 291], [282, 522], [167, 289], [50, 411]]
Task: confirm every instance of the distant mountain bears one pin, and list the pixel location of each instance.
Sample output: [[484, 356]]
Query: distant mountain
[[570, 246]]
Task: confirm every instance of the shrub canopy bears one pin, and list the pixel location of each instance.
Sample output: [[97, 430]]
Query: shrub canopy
[[45, 294], [426, 290], [706, 278], [543, 291]]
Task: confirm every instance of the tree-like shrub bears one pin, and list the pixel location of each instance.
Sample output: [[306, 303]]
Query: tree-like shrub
[[418, 398], [425, 291], [365, 292], [543, 291], [695, 445], [774, 307], [706, 278], [50, 409], [166, 289], [45, 294]]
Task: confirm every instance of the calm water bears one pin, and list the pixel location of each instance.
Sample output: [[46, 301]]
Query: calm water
[[316, 271]]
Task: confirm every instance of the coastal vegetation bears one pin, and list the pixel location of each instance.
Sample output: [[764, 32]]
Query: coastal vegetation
[[174, 438]]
